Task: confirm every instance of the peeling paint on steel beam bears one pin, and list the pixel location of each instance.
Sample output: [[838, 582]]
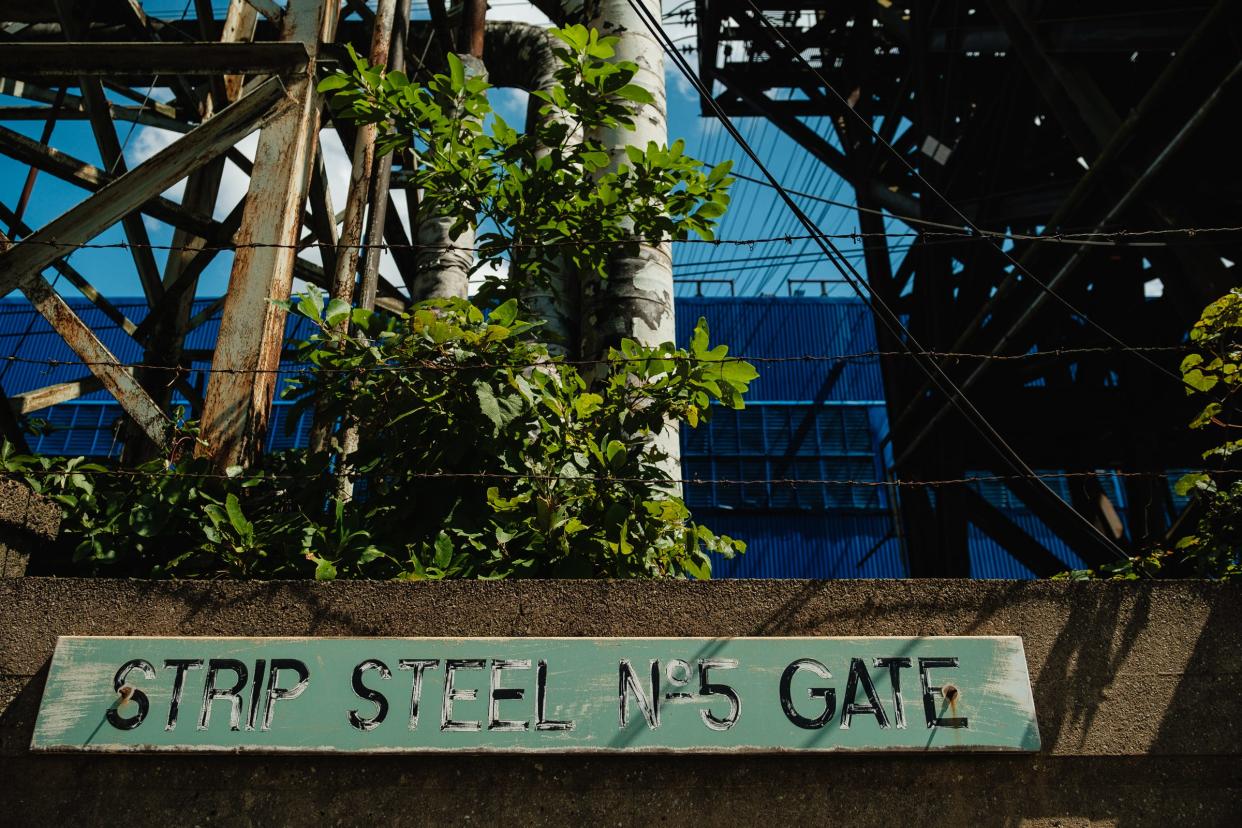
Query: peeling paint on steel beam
[[30, 401], [57, 62], [23, 263], [117, 379], [251, 334]]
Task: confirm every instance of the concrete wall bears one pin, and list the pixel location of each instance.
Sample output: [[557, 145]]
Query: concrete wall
[[1138, 689], [27, 522]]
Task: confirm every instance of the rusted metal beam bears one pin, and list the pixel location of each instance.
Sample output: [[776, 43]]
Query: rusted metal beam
[[238, 403], [89, 177], [239, 24], [78, 336], [65, 61], [322, 219], [44, 137], [151, 113], [28, 402], [269, 9], [111, 154], [135, 188], [349, 246], [19, 229]]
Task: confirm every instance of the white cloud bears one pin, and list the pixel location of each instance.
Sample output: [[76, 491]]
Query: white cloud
[[510, 104], [520, 12]]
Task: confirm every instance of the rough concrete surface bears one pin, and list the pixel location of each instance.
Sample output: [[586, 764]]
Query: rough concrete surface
[[27, 520], [1136, 689]]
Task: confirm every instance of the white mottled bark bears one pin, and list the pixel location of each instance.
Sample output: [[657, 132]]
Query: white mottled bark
[[636, 300], [444, 262], [553, 298]]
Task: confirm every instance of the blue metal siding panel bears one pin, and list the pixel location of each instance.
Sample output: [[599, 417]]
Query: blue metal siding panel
[[769, 326], [27, 335], [835, 544], [808, 546], [988, 559]]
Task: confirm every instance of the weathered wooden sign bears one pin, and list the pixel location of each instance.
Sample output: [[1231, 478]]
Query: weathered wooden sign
[[371, 695]]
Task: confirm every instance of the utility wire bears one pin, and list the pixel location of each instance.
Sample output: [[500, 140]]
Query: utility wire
[[1057, 238], [888, 317], [932, 189], [430, 365], [895, 483]]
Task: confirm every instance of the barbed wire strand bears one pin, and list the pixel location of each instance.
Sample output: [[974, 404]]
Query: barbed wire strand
[[1046, 287], [430, 365], [1075, 238], [688, 481], [879, 307]]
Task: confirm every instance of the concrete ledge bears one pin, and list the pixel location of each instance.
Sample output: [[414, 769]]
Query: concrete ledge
[[27, 522], [1138, 689]]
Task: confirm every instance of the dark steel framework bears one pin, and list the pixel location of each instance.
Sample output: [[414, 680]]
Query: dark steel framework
[[999, 105], [1028, 117], [220, 78]]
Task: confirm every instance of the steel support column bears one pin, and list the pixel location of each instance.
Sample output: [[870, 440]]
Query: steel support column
[[239, 396]]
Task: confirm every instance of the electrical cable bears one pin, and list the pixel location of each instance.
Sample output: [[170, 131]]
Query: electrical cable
[[888, 318], [763, 20]]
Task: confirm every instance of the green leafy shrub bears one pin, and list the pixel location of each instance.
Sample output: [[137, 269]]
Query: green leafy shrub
[[1214, 546], [480, 454]]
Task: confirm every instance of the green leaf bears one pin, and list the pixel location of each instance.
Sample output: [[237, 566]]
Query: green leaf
[[634, 92], [444, 551], [587, 404], [457, 72], [237, 518], [337, 311], [504, 314], [332, 82], [1189, 482], [309, 305], [489, 405], [1199, 381], [325, 570], [616, 454]]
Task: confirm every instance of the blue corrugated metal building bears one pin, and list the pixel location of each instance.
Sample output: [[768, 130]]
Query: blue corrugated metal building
[[805, 420]]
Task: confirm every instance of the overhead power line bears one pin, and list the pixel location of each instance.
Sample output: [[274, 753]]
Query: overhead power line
[[1045, 287], [895, 483], [429, 365], [883, 313]]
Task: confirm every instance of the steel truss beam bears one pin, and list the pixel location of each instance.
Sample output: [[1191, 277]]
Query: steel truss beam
[[61, 62], [981, 103]]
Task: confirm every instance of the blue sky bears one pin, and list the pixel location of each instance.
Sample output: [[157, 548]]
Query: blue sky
[[712, 270]]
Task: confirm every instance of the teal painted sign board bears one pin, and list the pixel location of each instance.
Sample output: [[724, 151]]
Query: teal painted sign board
[[556, 695]]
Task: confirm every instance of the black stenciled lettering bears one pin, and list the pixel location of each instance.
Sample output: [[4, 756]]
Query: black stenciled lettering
[[930, 692], [377, 698], [256, 693], [136, 696], [628, 682], [541, 702], [182, 666], [895, 666], [498, 694], [677, 672], [211, 692], [828, 694], [277, 693], [418, 665], [706, 688], [859, 675], [453, 694]]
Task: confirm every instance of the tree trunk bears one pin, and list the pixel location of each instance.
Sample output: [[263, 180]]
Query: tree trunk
[[636, 300], [525, 52]]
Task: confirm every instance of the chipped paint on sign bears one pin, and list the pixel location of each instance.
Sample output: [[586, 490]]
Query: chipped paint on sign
[[557, 695]]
